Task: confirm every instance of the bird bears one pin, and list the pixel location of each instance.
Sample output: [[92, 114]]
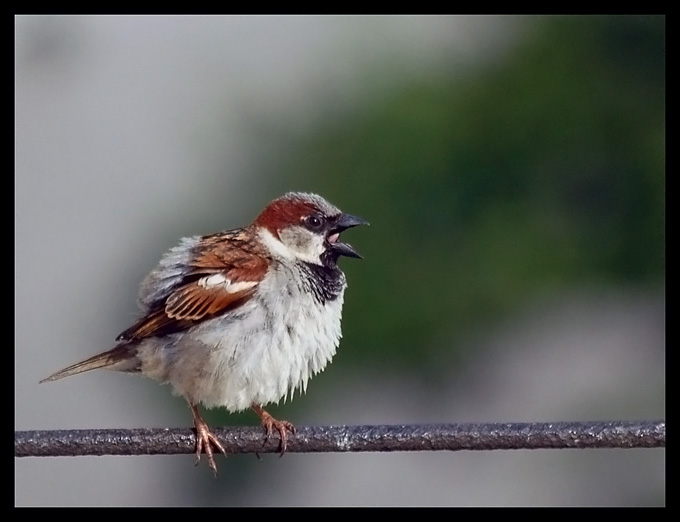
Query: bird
[[241, 318]]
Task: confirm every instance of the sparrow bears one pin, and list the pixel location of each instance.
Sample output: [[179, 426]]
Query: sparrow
[[241, 318]]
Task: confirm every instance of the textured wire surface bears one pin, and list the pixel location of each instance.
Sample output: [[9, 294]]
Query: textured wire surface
[[315, 439]]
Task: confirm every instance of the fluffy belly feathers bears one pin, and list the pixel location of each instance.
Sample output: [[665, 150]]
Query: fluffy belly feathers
[[250, 357]]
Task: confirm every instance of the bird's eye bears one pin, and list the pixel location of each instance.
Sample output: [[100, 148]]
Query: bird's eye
[[314, 222]]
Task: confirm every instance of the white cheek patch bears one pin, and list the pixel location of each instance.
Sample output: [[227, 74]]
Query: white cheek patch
[[296, 244], [220, 280]]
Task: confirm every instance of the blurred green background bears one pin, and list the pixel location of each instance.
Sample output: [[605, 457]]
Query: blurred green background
[[514, 269], [488, 186]]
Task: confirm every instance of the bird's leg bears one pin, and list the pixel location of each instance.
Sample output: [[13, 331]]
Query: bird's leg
[[205, 439], [269, 423]]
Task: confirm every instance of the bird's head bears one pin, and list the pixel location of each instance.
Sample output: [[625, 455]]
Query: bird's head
[[305, 227]]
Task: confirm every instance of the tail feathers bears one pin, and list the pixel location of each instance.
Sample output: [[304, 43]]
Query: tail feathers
[[121, 357]]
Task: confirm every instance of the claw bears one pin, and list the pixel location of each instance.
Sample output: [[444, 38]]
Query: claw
[[205, 440], [270, 424]]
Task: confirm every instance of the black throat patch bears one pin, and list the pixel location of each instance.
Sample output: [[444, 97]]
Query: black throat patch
[[325, 283]]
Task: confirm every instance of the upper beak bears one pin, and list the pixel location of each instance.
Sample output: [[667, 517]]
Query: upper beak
[[344, 222]]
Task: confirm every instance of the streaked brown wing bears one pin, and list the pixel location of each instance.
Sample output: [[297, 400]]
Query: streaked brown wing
[[223, 275], [194, 301], [185, 307], [155, 323]]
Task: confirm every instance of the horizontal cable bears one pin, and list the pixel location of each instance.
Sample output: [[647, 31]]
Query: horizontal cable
[[316, 439]]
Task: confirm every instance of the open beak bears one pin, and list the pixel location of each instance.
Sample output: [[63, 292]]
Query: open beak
[[344, 222]]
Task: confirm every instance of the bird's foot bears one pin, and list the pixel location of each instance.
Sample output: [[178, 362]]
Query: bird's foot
[[205, 440], [270, 424]]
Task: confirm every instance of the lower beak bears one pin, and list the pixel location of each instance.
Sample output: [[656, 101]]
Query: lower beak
[[343, 249]]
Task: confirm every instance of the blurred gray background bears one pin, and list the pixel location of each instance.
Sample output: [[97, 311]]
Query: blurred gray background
[[513, 171]]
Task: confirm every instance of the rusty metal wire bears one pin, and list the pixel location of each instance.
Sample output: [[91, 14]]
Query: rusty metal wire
[[316, 439]]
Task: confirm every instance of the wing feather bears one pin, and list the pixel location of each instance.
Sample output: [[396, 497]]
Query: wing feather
[[222, 274]]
